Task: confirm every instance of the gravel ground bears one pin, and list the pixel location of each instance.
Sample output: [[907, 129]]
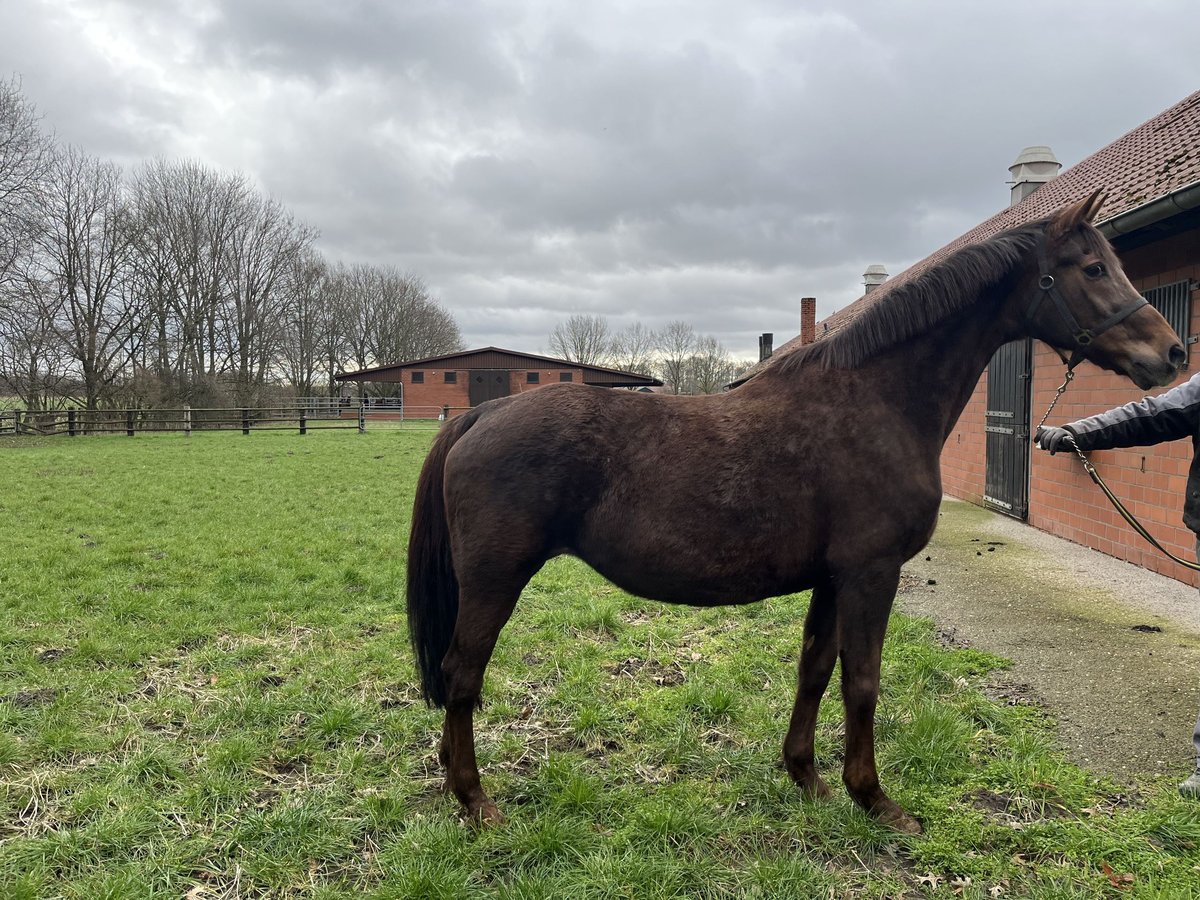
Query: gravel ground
[[1082, 631]]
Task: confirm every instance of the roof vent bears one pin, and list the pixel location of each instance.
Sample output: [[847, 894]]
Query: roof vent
[[874, 277], [1034, 166]]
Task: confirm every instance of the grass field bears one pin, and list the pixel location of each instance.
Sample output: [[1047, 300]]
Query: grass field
[[206, 691]]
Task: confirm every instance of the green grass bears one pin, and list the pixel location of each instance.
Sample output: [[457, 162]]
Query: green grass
[[206, 691]]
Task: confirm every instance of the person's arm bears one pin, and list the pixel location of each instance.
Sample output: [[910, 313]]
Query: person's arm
[[1153, 420]]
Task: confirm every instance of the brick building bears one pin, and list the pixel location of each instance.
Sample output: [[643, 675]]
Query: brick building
[[466, 379], [1151, 177]]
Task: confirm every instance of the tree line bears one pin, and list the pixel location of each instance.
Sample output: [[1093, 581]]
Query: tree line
[[178, 284], [687, 362]]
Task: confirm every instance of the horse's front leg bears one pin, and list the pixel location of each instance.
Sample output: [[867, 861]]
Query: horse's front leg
[[864, 602], [816, 665]]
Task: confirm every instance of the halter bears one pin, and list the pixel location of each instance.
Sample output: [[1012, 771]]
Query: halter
[[1082, 337]]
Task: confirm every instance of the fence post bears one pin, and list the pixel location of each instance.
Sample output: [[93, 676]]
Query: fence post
[[446, 413], [245, 421], [303, 422], [362, 418], [129, 422], [16, 421], [71, 422], [187, 421]]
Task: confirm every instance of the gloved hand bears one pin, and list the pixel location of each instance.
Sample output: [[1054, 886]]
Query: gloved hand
[[1054, 439]]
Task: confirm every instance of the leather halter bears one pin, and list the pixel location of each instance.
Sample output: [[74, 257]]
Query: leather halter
[[1082, 337]]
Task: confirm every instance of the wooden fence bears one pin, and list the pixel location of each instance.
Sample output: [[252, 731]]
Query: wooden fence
[[74, 422]]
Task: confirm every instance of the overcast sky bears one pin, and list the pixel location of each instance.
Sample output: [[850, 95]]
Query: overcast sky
[[705, 161]]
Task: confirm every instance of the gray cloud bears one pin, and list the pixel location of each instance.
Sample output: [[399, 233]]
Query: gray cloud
[[703, 160]]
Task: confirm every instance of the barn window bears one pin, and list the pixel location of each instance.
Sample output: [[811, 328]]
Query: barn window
[[566, 376], [451, 378], [532, 377], [418, 377], [1174, 301]]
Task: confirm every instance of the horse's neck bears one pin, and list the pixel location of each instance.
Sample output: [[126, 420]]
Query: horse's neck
[[944, 365]]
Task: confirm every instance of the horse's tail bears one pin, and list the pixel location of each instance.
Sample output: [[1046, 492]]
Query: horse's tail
[[432, 584]]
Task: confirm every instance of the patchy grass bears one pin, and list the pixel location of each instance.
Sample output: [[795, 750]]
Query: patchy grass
[[206, 691]]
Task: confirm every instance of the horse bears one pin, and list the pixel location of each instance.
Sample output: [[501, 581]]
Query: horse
[[820, 472]]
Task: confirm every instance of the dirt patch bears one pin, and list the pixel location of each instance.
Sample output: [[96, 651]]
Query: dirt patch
[[1110, 650], [26, 699]]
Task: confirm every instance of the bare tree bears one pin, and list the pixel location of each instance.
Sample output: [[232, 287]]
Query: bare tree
[[86, 245], [263, 245], [32, 355], [408, 323], [304, 323], [582, 339], [335, 313], [634, 348], [710, 367], [25, 157], [676, 344], [391, 318], [185, 217]]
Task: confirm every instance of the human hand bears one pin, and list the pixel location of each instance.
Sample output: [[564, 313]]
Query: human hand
[[1054, 439]]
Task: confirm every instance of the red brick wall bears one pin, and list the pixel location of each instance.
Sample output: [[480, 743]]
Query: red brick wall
[[433, 393], [1150, 480], [964, 453]]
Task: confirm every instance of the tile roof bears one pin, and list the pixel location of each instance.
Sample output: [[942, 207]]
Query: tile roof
[[1156, 159]]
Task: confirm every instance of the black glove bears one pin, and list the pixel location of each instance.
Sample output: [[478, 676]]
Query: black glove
[[1054, 439]]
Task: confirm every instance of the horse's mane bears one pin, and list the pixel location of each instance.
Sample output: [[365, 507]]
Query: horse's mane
[[914, 305]]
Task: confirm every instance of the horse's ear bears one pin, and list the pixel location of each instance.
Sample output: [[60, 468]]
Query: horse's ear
[[1094, 202], [1071, 217]]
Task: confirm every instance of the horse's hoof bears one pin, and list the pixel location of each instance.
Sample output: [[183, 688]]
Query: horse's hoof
[[815, 790], [898, 820], [486, 815]]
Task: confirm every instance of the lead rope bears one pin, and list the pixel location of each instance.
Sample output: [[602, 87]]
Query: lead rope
[[1100, 483]]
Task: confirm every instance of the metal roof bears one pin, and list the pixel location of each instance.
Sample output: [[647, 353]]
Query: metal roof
[[499, 358]]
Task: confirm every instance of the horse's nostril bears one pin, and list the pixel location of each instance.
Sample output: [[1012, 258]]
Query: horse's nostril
[[1177, 356]]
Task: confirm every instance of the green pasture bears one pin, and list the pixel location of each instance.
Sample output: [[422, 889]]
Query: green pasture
[[206, 691]]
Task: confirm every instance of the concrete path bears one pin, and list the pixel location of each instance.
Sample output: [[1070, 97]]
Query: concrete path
[[1079, 628]]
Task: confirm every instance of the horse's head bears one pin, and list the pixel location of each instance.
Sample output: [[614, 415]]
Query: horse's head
[[1083, 303]]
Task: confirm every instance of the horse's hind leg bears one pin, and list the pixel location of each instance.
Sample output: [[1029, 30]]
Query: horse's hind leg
[[816, 664], [481, 615], [864, 602]]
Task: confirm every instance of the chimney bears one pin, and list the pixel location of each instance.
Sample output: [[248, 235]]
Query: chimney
[[808, 320], [874, 276], [765, 342], [1034, 166]]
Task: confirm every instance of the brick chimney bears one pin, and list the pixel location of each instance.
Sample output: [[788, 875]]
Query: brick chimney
[[766, 342], [808, 320]]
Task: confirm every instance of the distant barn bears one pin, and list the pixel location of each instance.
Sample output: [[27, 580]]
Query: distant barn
[[466, 379]]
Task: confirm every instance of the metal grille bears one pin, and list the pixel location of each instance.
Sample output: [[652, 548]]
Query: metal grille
[[1174, 301]]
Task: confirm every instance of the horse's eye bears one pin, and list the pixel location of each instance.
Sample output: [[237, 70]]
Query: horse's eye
[[1095, 270]]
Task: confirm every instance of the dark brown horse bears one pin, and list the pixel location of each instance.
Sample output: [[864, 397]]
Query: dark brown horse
[[820, 472]]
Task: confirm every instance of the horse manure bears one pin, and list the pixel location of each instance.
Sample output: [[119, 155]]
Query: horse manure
[[1146, 629], [931, 581]]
